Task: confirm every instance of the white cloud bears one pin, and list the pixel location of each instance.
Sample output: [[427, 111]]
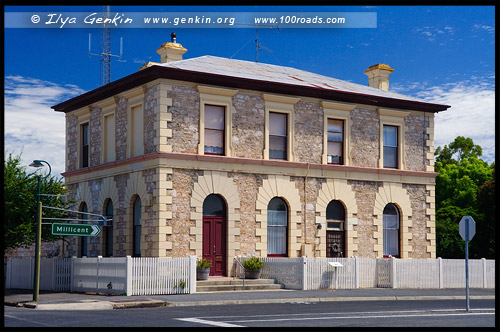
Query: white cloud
[[472, 114], [31, 126]]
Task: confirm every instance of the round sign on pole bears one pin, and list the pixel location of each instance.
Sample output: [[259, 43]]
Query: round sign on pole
[[467, 228]]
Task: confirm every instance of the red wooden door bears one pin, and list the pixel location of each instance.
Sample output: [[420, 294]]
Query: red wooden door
[[214, 244]]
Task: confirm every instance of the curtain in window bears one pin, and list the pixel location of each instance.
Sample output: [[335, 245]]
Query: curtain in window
[[391, 235], [276, 232]]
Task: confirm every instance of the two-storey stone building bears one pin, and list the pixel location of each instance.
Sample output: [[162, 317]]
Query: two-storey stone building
[[217, 157]]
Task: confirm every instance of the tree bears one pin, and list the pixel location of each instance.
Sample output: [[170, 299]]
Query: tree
[[463, 187], [20, 189]]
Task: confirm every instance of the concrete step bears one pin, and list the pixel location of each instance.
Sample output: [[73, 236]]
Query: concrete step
[[228, 284], [231, 281]]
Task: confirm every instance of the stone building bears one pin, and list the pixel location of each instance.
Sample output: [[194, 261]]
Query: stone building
[[216, 158]]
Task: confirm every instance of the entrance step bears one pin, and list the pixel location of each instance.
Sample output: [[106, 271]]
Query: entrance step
[[230, 284]]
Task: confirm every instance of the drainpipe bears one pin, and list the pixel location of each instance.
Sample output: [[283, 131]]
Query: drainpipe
[[305, 207]]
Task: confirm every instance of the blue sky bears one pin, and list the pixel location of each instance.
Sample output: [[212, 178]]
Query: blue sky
[[444, 54]]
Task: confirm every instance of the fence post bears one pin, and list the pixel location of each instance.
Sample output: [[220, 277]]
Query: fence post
[[128, 276], [484, 272], [304, 273], [192, 274]]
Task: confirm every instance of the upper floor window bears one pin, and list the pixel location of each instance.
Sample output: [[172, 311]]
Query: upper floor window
[[214, 129], [137, 131], [278, 138], [84, 152], [109, 138], [390, 140], [335, 150]]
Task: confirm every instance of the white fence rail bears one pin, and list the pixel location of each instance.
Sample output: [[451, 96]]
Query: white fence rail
[[149, 276]]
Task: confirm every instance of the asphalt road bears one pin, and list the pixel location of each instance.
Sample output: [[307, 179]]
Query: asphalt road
[[433, 313]]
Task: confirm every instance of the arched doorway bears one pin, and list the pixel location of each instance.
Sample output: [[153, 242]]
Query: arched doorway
[[335, 231], [214, 234]]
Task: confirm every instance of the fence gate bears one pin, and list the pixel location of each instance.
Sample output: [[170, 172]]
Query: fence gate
[[383, 270]]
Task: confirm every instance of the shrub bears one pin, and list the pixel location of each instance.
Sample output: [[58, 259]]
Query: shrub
[[203, 264], [253, 263]]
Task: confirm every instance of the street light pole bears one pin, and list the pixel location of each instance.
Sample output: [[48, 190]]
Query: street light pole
[[36, 279]]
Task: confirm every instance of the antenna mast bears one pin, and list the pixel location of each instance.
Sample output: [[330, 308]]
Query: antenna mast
[[105, 65]]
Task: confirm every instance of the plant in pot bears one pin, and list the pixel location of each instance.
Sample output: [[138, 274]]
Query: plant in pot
[[253, 267], [203, 269]]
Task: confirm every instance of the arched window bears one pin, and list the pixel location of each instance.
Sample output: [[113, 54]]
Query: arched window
[[277, 228], [137, 227], [214, 206], [335, 215], [83, 239], [335, 234], [391, 230], [108, 229]]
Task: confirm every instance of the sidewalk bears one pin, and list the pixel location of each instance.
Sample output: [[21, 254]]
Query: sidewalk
[[85, 301]]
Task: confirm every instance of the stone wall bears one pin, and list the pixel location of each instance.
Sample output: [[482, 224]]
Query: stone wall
[[185, 112], [248, 126]]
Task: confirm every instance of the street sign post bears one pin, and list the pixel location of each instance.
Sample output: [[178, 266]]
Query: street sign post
[[467, 230], [75, 229]]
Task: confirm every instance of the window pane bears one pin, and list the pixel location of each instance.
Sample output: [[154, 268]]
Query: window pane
[[277, 147], [277, 204], [336, 225], [335, 125], [390, 157], [214, 141], [334, 152], [277, 124], [334, 137], [214, 206], [276, 218], [335, 211], [391, 222], [137, 211], [214, 117], [390, 136], [391, 243], [137, 240], [276, 240]]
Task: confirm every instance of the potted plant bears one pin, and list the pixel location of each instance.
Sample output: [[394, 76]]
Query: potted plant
[[203, 269], [253, 267]]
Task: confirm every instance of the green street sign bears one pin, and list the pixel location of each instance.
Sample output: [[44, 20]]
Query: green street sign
[[75, 229]]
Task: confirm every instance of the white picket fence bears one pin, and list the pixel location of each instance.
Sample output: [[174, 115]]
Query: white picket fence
[[150, 276], [121, 275]]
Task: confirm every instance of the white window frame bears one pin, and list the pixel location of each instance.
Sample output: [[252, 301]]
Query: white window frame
[[285, 105], [216, 97], [394, 118], [337, 111]]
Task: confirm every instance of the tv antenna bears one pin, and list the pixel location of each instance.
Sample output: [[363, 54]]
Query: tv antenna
[[257, 45], [105, 55]]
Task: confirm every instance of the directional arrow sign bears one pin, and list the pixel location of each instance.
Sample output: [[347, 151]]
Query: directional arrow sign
[[75, 229]]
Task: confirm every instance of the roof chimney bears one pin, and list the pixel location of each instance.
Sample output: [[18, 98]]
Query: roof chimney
[[378, 76], [171, 51]]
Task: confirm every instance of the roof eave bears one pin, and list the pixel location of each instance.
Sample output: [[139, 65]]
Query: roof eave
[[154, 72]]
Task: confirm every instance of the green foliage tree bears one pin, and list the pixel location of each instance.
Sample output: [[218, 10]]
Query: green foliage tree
[[20, 189], [458, 186]]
